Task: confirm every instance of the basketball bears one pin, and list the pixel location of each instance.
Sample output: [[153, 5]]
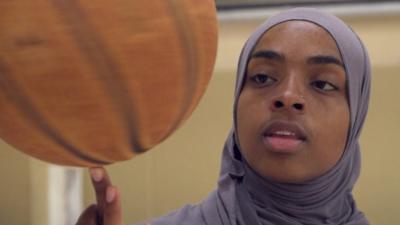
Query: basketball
[[90, 83]]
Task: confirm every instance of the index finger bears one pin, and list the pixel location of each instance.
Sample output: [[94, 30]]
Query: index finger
[[100, 181]]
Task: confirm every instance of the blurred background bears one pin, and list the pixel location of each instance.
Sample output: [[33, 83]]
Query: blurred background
[[184, 168]]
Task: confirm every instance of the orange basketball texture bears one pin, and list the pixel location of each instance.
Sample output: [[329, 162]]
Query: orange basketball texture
[[88, 83]]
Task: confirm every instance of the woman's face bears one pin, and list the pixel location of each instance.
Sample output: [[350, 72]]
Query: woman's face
[[292, 113]]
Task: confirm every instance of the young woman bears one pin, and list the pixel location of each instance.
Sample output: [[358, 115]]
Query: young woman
[[292, 156]]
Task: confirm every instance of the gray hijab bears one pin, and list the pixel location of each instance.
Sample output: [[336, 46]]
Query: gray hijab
[[245, 198]]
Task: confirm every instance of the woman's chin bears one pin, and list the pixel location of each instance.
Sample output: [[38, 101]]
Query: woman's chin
[[289, 175]]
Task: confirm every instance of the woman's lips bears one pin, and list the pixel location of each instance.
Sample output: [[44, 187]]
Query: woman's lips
[[284, 137], [283, 144]]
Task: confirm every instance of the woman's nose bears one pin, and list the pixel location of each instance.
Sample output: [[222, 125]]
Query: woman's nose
[[296, 106], [290, 99]]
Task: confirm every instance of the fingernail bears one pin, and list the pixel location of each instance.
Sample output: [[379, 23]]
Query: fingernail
[[97, 174], [110, 195]]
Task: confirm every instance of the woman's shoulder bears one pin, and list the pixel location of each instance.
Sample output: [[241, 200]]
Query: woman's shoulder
[[189, 214]]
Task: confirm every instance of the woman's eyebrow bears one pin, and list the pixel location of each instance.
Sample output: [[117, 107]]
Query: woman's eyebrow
[[318, 59], [325, 59], [268, 54]]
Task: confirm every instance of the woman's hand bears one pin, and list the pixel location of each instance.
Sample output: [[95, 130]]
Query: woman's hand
[[107, 211]]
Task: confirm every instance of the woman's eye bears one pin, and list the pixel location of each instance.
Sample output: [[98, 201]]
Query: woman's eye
[[263, 79], [324, 85]]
